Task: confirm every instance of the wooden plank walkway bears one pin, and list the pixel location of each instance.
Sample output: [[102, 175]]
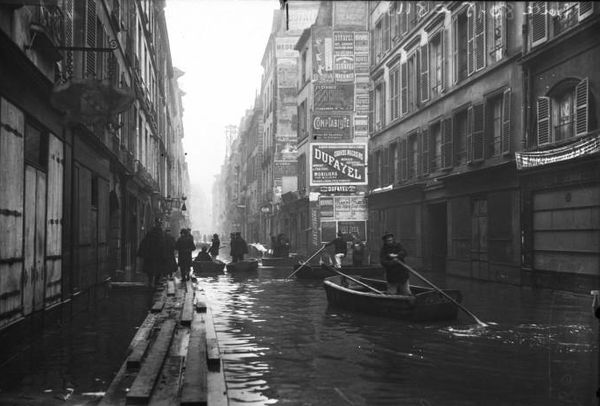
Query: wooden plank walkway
[[174, 357]]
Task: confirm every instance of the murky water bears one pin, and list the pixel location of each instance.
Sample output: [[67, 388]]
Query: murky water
[[284, 345], [83, 352]]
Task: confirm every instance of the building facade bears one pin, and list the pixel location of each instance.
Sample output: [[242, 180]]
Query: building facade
[[89, 140]]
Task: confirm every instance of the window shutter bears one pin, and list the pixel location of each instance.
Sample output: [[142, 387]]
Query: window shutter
[[506, 133], [90, 36], [539, 23], [469, 136], [425, 73], [447, 147], [444, 45], [386, 32], [386, 167], [479, 41], [392, 164], [371, 112], [478, 134], [370, 171], [419, 156], [403, 160], [454, 49], [543, 120], [582, 107], [586, 8], [470, 39], [404, 88], [425, 151]]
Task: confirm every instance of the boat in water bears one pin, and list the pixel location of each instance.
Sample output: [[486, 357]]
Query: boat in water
[[247, 265], [208, 266]]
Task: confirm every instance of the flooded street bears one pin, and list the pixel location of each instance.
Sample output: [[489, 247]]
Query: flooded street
[[284, 345]]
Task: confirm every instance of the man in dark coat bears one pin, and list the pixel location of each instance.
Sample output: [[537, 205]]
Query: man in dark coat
[[340, 248], [184, 246], [238, 248], [203, 255], [214, 247], [154, 253], [358, 250], [171, 264], [392, 256]]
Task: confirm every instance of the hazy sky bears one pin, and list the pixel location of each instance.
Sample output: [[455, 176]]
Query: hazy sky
[[219, 45]]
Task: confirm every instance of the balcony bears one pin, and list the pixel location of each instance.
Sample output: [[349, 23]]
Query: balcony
[[46, 29]]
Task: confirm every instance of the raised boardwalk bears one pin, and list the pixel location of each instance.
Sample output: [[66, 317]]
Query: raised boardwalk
[[174, 358]]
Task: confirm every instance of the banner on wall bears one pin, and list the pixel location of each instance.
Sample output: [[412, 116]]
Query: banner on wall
[[334, 97], [284, 47], [350, 13], [287, 73], [361, 53], [338, 164]]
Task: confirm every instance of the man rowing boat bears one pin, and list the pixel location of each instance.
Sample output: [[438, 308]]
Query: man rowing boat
[[392, 256]]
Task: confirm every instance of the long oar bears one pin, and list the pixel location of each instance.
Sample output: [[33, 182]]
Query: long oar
[[355, 280], [305, 262], [481, 323]]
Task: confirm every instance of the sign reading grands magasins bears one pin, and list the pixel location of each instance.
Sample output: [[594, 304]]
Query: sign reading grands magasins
[[338, 164]]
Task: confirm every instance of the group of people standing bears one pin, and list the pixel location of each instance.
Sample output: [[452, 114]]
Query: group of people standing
[[157, 251]]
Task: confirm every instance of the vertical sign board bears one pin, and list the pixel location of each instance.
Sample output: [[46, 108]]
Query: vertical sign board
[[322, 38], [361, 52], [338, 164], [343, 56], [314, 224], [54, 220], [12, 122]]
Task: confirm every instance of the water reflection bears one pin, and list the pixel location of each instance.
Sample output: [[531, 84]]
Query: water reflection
[[284, 345]]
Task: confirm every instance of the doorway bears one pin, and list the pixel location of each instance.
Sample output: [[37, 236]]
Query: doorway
[[437, 232]]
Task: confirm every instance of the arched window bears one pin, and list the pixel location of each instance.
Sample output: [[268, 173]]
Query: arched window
[[564, 112]]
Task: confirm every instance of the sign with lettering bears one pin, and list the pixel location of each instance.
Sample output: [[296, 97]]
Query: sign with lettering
[[284, 168], [343, 56], [331, 126], [301, 14], [361, 96], [330, 96], [322, 38], [284, 47], [338, 164], [326, 206], [287, 73], [350, 208], [350, 13], [361, 52], [350, 227], [338, 189]]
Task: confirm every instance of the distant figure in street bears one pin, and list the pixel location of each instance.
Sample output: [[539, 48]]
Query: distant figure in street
[[171, 265], [274, 246], [238, 248], [340, 249], [284, 245], [392, 259], [154, 253], [184, 246], [203, 255], [214, 246], [358, 250]]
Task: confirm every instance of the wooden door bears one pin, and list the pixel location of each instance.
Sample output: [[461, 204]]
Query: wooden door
[[54, 220], [479, 239], [12, 124], [34, 239]]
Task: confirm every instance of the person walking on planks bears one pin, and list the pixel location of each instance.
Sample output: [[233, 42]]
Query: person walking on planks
[[392, 256], [184, 246], [153, 252], [170, 253], [340, 249]]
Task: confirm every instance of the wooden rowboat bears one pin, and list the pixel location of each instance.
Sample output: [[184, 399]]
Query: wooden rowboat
[[208, 266], [323, 271], [277, 261], [426, 304], [247, 265]]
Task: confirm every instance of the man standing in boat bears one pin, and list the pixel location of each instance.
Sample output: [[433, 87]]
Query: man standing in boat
[[238, 247], [392, 257], [340, 248]]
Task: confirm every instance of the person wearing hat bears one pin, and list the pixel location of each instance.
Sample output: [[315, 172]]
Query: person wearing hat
[[238, 247], [340, 248], [214, 246], [392, 256], [185, 246], [153, 252]]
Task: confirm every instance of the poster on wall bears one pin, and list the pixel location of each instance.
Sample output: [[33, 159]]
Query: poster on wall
[[331, 126], [350, 208], [314, 224], [350, 13], [361, 53], [302, 14], [361, 126], [334, 97], [322, 54], [338, 164], [361, 98], [284, 168], [351, 227], [287, 73], [326, 207], [284, 47], [343, 56]]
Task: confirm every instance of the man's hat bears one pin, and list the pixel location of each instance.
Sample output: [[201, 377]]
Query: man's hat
[[386, 235]]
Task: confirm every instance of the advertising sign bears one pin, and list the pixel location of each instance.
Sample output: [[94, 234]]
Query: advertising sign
[[301, 14], [361, 52], [350, 13], [284, 47], [331, 126], [322, 54], [326, 207], [334, 97], [350, 208], [343, 56], [284, 168], [350, 227], [361, 126], [287, 73], [361, 98], [338, 164], [314, 224], [338, 189]]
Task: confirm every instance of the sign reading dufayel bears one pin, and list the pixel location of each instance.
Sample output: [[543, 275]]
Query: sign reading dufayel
[[338, 164]]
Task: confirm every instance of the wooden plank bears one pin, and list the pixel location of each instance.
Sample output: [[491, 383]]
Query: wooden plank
[[217, 388], [158, 306], [200, 302], [186, 314], [29, 240], [194, 389], [213, 352], [144, 383], [167, 388], [170, 288], [134, 361]]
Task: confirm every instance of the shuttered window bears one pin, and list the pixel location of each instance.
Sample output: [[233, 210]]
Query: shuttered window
[[393, 163], [582, 107], [469, 134], [403, 160], [543, 120], [539, 23], [478, 135], [424, 73], [425, 151], [90, 36], [404, 88], [586, 8], [471, 40], [447, 144], [479, 35], [506, 132], [395, 92]]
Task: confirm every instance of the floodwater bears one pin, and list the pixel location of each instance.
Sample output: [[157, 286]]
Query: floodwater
[[283, 345], [74, 360]]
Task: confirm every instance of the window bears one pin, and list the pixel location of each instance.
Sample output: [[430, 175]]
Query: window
[[424, 143], [94, 192], [393, 14], [459, 136], [410, 83], [402, 153], [379, 105], [566, 16], [469, 40], [412, 155], [447, 147], [36, 146], [385, 167], [494, 126], [395, 91], [378, 40], [437, 59], [459, 47], [393, 164], [474, 135], [435, 147], [378, 169], [564, 113], [386, 32]]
